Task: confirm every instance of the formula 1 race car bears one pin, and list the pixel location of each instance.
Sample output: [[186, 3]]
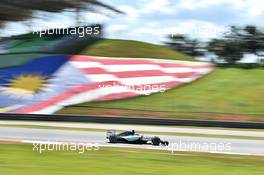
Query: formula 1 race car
[[132, 137]]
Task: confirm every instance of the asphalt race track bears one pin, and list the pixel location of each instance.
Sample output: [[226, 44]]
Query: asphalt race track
[[182, 143]]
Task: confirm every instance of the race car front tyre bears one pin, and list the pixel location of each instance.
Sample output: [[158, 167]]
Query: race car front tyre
[[113, 139], [156, 141]]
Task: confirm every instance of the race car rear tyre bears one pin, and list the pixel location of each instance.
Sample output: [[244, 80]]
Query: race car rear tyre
[[113, 139], [166, 143], [156, 141]]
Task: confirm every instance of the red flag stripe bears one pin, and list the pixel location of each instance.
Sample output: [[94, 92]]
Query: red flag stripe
[[146, 73]]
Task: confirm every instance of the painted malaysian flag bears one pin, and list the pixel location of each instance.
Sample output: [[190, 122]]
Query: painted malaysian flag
[[47, 84]]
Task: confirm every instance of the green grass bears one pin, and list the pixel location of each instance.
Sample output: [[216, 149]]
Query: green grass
[[18, 159], [133, 49], [230, 90]]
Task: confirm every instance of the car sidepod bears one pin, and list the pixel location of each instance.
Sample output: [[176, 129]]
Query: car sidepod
[[132, 138]]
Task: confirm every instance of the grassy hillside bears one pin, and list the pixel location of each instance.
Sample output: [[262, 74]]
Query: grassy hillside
[[229, 90], [133, 49], [17, 59]]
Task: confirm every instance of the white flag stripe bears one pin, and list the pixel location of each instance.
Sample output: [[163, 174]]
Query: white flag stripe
[[86, 64], [102, 77]]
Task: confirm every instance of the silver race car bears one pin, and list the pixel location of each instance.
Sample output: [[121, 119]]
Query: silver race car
[[134, 138]]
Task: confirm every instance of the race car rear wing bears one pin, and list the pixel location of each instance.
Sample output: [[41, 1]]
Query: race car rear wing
[[110, 132]]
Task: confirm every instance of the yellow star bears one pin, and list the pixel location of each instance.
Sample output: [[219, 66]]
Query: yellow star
[[27, 84]]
